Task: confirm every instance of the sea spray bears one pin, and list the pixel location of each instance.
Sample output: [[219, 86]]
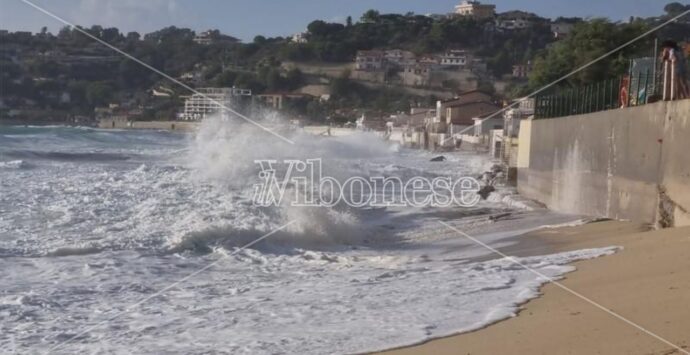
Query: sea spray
[[223, 153]]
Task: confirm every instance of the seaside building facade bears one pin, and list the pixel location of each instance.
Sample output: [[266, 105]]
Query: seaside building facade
[[458, 113], [209, 101]]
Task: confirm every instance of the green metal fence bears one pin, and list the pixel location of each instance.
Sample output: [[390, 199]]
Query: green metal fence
[[633, 89]]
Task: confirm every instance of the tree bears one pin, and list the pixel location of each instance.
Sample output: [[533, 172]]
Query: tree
[[226, 79], [294, 79], [98, 93], [324, 29], [274, 81], [589, 41], [348, 22], [675, 9], [133, 36], [371, 16]]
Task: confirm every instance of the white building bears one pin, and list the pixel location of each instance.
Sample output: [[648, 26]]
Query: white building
[[209, 101], [302, 37], [370, 60], [562, 29], [213, 36], [203, 38], [512, 117], [516, 20], [475, 9], [455, 58], [400, 57]]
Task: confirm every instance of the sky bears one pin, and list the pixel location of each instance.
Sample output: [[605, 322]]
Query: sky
[[245, 19]]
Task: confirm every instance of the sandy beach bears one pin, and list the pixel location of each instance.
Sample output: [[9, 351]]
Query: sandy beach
[[648, 283]]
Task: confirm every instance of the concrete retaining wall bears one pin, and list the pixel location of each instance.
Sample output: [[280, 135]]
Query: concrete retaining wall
[[622, 164]]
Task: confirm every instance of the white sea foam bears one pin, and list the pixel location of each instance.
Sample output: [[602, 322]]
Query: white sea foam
[[13, 164], [81, 239]]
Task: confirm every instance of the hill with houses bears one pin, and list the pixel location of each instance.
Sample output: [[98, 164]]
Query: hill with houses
[[381, 63]]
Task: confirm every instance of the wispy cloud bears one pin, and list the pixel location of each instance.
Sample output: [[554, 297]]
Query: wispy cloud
[[140, 14]]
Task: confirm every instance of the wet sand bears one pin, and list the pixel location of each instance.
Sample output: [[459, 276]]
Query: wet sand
[[647, 283]]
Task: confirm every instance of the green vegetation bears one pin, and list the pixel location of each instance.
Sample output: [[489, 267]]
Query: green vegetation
[[70, 74]]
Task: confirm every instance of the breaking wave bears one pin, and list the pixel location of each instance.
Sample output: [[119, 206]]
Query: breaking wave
[[14, 164], [224, 154]]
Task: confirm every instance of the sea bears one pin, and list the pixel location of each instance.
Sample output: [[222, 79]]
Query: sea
[[132, 242]]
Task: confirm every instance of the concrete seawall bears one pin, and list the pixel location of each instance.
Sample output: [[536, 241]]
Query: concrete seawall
[[123, 123], [626, 164]]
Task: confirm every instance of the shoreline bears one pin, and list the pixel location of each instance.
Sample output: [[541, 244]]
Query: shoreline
[[559, 322]]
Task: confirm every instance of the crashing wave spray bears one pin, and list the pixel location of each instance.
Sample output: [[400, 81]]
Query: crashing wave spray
[[223, 154]]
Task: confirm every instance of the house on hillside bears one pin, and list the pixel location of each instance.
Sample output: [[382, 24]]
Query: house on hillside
[[522, 71], [212, 37], [429, 59], [455, 58], [372, 60], [562, 28], [516, 20], [475, 9], [417, 74], [301, 37], [399, 57]]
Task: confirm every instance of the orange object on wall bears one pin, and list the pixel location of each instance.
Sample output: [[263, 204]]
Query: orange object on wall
[[624, 95]]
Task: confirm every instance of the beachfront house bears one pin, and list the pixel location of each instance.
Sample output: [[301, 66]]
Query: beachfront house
[[458, 113]]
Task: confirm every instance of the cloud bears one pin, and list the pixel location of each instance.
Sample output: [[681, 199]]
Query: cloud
[[142, 15], [338, 19]]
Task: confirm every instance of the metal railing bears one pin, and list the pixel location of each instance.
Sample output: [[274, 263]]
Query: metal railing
[[626, 91]]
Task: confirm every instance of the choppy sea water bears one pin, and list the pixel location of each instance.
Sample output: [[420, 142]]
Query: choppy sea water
[[94, 221]]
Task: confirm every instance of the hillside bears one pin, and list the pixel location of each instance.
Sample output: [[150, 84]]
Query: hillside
[[64, 75]]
